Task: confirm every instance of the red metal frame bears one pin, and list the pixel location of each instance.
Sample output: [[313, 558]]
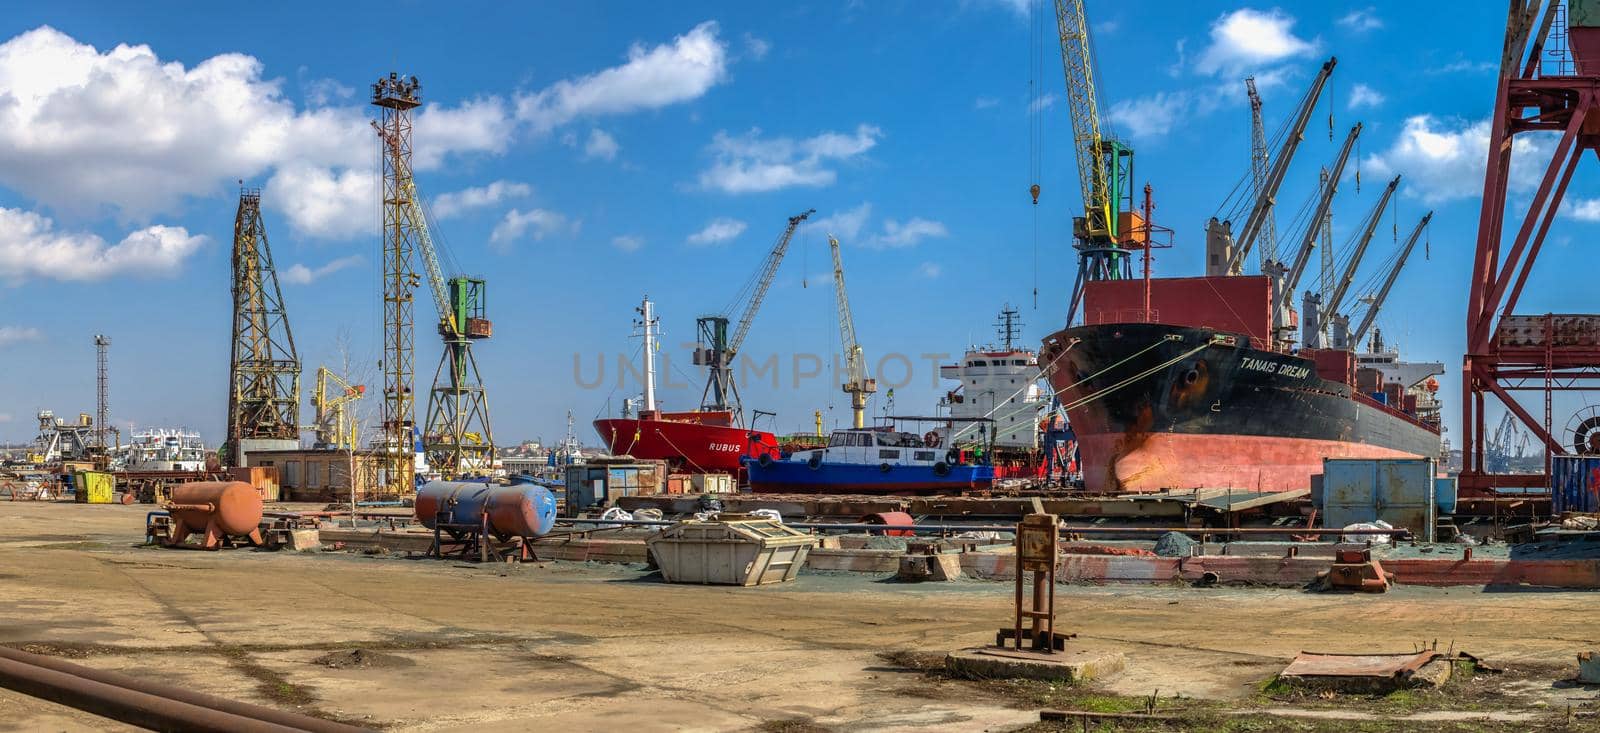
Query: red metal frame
[[1528, 100]]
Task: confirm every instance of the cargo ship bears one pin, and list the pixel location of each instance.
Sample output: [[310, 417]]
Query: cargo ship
[[1192, 390], [869, 461], [694, 441]]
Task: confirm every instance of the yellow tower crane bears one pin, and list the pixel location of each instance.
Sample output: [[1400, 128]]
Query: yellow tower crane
[[857, 384], [335, 427]]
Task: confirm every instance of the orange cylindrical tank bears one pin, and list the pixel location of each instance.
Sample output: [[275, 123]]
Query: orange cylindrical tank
[[231, 507]]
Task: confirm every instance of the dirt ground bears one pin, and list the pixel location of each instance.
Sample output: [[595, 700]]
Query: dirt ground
[[430, 645]]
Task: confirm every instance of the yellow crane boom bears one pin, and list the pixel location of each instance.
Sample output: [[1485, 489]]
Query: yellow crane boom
[[857, 384], [335, 427], [1094, 175]]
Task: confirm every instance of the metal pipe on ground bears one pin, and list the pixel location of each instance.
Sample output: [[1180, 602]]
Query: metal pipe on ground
[[141, 702], [1065, 529]]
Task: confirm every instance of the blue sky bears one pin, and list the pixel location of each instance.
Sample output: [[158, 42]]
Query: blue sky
[[581, 156]]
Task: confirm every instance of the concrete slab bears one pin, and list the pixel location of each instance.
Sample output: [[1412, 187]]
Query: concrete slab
[[1072, 666]]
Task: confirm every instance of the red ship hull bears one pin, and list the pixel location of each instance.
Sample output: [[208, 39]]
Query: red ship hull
[[699, 442]]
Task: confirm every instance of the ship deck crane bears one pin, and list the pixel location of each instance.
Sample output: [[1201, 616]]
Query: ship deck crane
[[456, 435], [1308, 242], [1109, 227], [716, 349], [1266, 197], [1383, 292], [335, 428], [1342, 288], [857, 384]]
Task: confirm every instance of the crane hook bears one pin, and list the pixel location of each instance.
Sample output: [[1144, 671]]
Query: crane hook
[[1034, 189]]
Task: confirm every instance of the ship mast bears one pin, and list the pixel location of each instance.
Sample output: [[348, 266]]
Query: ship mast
[[647, 324]]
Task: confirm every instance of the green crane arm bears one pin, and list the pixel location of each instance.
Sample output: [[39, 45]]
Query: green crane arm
[[1094, 176], [430, 256]]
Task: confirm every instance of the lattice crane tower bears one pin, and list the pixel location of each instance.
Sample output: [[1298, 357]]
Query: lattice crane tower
[[396, 96]]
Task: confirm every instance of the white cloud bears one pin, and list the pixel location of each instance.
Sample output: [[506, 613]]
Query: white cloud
[[1462, 65], [1020, 7], [984, 102], [323, 202], [323, 92], [628, 242], [1147, 117], [480, 125], [651, 78], [929, 270], [748, 163], [850, 226], [908, 234], [1443, 159], [1362, 20], [718, 230], [18, 334], [537, 223], [455, 203], [1362, 95], [1245, 39], [31, 247], [299, 274], [756, 48], [845, 224], [601, 145], [1583, 209], [1045, 101], [125, 132]]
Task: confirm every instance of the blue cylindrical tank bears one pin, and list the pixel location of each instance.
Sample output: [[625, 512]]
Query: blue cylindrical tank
[[522, 510]]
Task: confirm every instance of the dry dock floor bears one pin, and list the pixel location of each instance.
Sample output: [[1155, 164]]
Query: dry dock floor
[[430, 645]]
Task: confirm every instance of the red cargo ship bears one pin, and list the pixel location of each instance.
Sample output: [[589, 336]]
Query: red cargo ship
[[697, 441]]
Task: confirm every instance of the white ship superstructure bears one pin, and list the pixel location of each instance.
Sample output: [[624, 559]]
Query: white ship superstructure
[[166, 450], [999, 391]]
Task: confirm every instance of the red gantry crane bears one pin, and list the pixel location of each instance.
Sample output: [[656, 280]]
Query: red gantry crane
[[1541, 88]]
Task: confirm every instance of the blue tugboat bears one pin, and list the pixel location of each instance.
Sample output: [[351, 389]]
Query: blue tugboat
[[870, 461]]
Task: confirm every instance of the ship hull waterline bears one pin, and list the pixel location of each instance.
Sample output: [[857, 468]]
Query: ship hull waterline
[[1159, 407]]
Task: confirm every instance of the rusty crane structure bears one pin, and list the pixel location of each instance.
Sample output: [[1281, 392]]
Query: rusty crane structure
[[1549, 83], [264, 369], [396, 97]]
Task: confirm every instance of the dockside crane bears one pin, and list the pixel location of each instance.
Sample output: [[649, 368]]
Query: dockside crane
[[716, 349], [1109, 227], [857, 384], [335, 427], [456, 434], [1266, 197], [1259, 160], [1394, 272]]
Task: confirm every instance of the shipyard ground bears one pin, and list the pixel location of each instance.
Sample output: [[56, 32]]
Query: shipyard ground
[[430, 645]]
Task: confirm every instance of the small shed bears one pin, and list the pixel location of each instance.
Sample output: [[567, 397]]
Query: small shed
[[733, 549]]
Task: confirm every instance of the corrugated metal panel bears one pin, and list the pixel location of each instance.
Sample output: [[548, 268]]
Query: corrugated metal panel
[[1399, 491], [1575, 484]]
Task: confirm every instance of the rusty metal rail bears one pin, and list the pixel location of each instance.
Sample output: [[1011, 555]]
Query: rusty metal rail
[[1065, 529], [147, 704]]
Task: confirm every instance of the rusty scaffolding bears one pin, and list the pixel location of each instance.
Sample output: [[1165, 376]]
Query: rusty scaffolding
[[264, 370]]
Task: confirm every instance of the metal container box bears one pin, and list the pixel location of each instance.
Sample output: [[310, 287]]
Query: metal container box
[[597, 484], [1574, 484], [94, 487], [733, 549], [1444, 494], [1399, 491]]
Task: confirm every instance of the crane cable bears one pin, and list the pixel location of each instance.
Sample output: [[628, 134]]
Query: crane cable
[[1036, 123]]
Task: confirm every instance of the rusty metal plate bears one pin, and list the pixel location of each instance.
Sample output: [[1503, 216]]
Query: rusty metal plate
[[1036, 540], [1307, 664], [1566, 330]]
